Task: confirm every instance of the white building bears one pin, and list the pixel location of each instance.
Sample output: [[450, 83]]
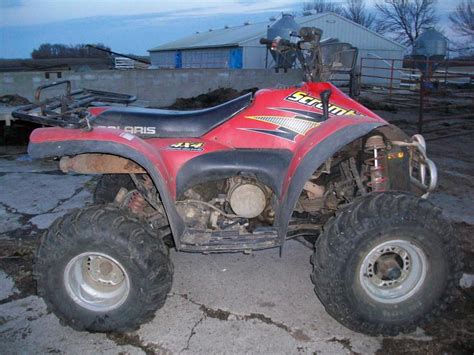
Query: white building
[[239, 47]]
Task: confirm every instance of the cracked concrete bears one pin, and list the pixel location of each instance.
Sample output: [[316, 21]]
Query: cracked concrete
[[35, 193], [8, 219], [7, 286], [229, 291], [27, 328], [223, 315], [223, 303], [227, 306]]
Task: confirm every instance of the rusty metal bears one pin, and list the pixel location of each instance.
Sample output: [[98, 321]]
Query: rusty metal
[[136, 203], [99, 164], [311, 205], [148, 183], [453, 117], [39, 89], [391, 78], [421, 109], [449, 136], [457, 125], [313, 190], [402, 84], [447, 107]]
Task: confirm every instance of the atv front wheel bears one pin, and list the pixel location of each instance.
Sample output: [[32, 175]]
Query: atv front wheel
[[101, 269], [386, 264]]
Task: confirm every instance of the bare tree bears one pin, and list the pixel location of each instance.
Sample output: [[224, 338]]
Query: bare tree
[[462, 19], [405, 19], [48, 50], [356, 11], [323, 6]]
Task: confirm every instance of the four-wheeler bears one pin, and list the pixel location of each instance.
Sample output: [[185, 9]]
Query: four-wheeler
[[248, 174]]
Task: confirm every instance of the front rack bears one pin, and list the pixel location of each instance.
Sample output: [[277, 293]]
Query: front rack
[[69, 110]]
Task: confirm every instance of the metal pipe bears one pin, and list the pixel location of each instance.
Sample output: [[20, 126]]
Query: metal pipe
[[39, 89], [464, 125], [119, 54], [454, 117], [450, 135], [421, 108]]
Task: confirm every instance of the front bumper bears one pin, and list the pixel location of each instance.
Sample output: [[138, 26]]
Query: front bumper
[[423, 172]]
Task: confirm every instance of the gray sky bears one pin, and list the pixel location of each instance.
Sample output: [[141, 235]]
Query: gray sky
[[32, 12], [131, 26]]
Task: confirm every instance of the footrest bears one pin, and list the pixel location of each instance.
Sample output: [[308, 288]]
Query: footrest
[[228, 241]]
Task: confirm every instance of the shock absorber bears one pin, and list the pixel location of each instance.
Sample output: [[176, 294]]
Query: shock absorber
[[136, 202], [375, 146]]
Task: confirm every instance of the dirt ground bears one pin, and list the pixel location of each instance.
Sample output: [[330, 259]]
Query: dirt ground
[[453, 333], [212, 98]]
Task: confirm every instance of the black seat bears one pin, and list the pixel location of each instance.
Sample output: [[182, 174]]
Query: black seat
[[168, 123]]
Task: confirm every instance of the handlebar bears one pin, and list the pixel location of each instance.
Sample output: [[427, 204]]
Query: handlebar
[[280, 43], [287, 43], [265, 41]]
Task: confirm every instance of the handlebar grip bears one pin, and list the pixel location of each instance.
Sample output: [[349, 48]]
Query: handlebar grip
[[265, 41]]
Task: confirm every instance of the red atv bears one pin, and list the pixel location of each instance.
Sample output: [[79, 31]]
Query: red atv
[[248, 174]]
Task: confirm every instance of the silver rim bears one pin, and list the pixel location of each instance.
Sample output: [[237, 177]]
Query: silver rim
[[393, 271], [96, 281]]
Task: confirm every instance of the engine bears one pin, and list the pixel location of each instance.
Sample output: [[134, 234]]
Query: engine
[[239, 202]]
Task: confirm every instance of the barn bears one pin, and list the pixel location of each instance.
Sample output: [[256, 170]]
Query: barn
[[239, 47]]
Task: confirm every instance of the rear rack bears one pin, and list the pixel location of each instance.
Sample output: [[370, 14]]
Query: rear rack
[[69, 110]]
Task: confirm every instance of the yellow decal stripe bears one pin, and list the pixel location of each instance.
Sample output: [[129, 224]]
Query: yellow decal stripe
[[296, 125]]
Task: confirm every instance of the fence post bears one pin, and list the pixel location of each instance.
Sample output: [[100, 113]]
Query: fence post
[[391, 80], [446, 69], [421, 107]]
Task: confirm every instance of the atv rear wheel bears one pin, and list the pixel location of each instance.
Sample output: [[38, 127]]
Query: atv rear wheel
[[386, 264], [101, 269], [109, 185], [107, 189]]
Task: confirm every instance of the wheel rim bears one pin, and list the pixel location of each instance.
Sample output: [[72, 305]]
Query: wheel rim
[[393, 271], [96, 281]]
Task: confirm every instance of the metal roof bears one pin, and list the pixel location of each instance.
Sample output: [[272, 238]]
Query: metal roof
[[231, 36], [234, 36]]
